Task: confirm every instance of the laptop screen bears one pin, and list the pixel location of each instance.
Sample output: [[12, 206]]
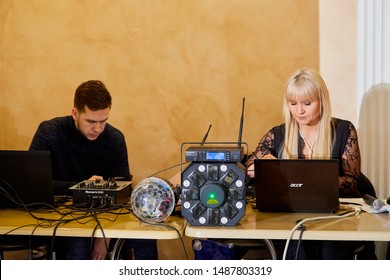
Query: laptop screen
[[283, 185], [25, 178]]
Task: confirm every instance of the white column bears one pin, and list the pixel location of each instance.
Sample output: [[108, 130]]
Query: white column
[[373, 45], [374, 69]]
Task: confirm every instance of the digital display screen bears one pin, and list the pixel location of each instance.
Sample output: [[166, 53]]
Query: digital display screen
[[215, 156]]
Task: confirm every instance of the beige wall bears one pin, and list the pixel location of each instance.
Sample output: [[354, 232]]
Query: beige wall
[[338, 55], [172, 66]]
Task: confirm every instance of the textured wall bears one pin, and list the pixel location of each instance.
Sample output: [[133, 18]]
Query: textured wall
[[172, 66], [339, 55]]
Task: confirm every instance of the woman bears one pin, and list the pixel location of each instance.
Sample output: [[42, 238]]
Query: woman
[[309, 132]]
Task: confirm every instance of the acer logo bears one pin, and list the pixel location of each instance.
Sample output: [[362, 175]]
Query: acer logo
[[296, 185]]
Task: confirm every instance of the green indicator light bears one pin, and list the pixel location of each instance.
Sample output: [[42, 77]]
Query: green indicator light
[[212, 198]]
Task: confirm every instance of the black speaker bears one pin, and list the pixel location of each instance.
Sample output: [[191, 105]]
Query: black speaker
[[213, 193]]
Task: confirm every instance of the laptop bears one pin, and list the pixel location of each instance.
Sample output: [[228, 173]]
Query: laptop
[[26, 177], [284, 185]]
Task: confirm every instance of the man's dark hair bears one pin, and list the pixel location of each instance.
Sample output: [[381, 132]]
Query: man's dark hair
[[92, 94]]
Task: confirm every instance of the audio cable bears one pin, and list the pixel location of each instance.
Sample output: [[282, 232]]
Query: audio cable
[[356, 212]]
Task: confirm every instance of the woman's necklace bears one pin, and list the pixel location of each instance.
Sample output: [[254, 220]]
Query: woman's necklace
[[310, 148]]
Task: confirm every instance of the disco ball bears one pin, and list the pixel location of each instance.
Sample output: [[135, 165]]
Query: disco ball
[[153, 199]]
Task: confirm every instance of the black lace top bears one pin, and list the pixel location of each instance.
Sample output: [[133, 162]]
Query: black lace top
[[346, 150]]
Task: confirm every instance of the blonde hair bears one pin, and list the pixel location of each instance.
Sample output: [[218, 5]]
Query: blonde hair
[[307, 85]]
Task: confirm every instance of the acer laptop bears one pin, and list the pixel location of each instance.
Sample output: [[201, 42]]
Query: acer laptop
[[283, 185], [25, 178]]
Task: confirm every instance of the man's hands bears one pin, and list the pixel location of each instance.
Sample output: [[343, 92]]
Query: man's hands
[[96, 177]]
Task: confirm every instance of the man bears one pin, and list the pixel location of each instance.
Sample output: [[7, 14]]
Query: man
[[84, 146]]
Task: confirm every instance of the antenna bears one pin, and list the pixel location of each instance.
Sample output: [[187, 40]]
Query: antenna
[[205, 136], [241, 123]]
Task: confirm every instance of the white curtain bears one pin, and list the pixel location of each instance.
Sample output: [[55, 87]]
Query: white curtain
[[374, 96]]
